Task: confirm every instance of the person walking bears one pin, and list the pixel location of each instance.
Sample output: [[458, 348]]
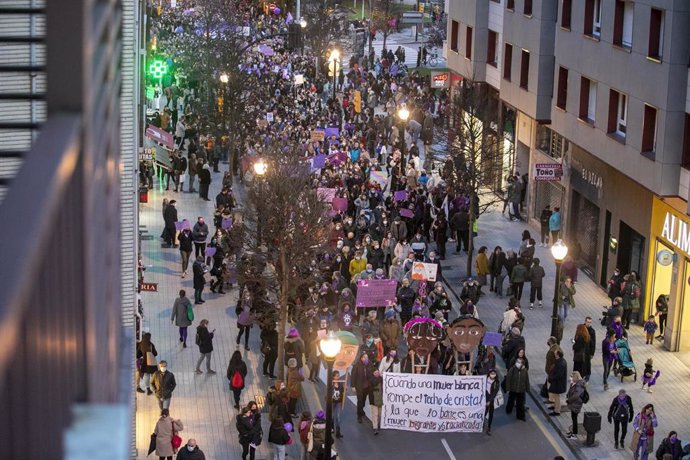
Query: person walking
[[643, 437], [248, 425], [338, 402], [182, 315], [200, 235], [620, 414], [567, 292], [536, 276], [269, 348], [294, 386], [237, 373], [517, 384], [670, 448], [662, 313], [191, 451], [146, 353], [166, 428], [362, 376], [555, 224], [492, 390], [497, 268], [609, 351], [204, 339], [575, 399], [245, 318], [163, 384], [279, 437], [199, 269], [185, 240], [544, 218], [581, 357], [558, 382]]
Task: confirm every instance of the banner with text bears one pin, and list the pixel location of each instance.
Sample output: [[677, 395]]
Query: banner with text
[[433, 403]]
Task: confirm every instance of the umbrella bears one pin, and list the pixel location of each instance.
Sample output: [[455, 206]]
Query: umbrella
[[152, 444]]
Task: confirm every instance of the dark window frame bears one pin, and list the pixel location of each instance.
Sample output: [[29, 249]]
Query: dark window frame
[[508, 61], [524, 69]]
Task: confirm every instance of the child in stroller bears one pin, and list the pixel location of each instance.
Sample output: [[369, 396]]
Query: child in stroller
[[624, 365]]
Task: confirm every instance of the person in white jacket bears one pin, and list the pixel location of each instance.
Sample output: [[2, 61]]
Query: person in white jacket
[[390, 363]]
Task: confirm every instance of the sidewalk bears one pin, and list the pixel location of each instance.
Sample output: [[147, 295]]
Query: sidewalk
[[203, 402], [671, 392]]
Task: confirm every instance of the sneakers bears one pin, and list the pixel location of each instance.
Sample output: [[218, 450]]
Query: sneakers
[[139, 390], [181, 339], [649, 390], [571, 435], [531, 306], [210, 371], [198, 371], [541, 305]]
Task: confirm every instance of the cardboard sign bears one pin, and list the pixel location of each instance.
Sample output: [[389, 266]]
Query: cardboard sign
[[427, 403], [376, 293], [424, 271], [147, 154], [299, 79], [332, 132], [269, 117], [148, 287], [379, 178], [179, 226], [404, 212], [400, 195], [339, 204], [162, 137], [318, 135]]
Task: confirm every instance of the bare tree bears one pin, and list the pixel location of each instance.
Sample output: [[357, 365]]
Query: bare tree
[[476, 152], [326, 25], [381, 18], [292, 219]]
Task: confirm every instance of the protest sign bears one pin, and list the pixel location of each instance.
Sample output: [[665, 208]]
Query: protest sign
[[269, 117], [318, 162], [423, 271], [404, 212], [400, 195], [318, 135], [339, 204], [427, 403], [332, 132], [210, 252], [179, 226], [299, 79], [379, 178], [376, 293], [492, 339], [326, 194], [226, 223]]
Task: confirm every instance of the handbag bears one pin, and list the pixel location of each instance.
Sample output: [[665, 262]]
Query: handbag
[[498, 400], [176, 439], [151, 359]]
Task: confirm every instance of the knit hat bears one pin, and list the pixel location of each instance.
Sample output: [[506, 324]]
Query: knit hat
[[292, 362], [293, 333], [390, 314]]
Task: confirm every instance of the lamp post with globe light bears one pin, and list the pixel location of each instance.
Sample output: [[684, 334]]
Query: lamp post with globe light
[[403, 115], [559, 250], [260, 169], [334, 61], [330, 347]]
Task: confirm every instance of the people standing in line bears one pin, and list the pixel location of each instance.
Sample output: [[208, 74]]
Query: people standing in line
[[163, 384], [376, 401], [643, 437], [620, 414], [199, 270], [166, 428], [182, 315], [609, 352], [492, 389], [279, 437], [670, 448], [544, 219], [517, 384], [146, 353], [294, 386], [204, 181], [555, 224], [200, 235], [536, 276], [205, 342], [361, 381], [567, 293], [245, 318], [269, 348], [236, 374], [575, 400], [170, 217], [191, 451], [581, 349], [185, 239], [662, 313], [558, 382]]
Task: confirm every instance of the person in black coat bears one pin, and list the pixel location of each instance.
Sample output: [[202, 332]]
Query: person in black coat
[[237, 365], [492, 389], [204, 181], [558, 382], [170, 217], [621, 413], [248, 425], [204, 339], [279, 437], [199, 269], [672, 446], [269, 348], [362, 381], [185, 239], [191, 451]]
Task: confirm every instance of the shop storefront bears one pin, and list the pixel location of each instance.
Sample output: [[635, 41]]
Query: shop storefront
[[669, 269]]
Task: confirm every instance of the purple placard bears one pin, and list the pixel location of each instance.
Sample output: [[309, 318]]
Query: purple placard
[[492, 339], [179, 226], [226, 223], [210, 252], [332, 132], [339, 204], [318, 162], [376, 293], [404, 212], [337, 158], [400, 195]]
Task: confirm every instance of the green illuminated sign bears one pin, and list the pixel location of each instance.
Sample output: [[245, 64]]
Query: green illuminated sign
[[158, 69]]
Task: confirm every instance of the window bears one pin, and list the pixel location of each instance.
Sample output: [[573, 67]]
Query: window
[[524, 69], [623, 23], [527, 10], [491, 49], [454, 36], [510, 4], [566, 13], [562, 94], [649, 129], [686, 143], [508, 61], [593, 18], [656, 34], [618, 113], [588, 100], [468, 42]]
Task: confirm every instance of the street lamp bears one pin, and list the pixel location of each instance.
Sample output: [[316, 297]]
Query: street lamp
[[403, 114], [302, 23], [330, 347], [559, 250], [260, 168], [224, 78], [333, 59]]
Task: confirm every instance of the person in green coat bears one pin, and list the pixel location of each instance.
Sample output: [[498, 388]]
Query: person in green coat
[[518, 276], [567, 293], [517, 384]]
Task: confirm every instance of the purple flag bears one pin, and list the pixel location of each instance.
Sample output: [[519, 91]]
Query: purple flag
[[339, 204], [404, 212], [400, 195], [376, 293], [318, 162], [226, 223], [179, 226], [492, 339], [332, 132], [288, 20]]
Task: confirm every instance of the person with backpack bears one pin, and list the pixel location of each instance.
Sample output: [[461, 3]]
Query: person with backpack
[[248, 425], [303, 428], [577, 397], [621, 413], [237, 372], [182, 315]]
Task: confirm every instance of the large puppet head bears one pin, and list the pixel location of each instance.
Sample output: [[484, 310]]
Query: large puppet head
[[466, 333], [422, 335], [348, 350]]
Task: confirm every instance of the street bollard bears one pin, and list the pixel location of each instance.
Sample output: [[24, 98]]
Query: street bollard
[[592, 424]]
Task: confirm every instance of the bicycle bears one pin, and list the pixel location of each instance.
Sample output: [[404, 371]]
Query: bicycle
[[432, 59]]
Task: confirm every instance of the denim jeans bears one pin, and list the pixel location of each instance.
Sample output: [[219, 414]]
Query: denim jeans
[[337, 410], [279, 451], [183, 334], [563, 312], [197, 294], [208, 361], [164, 403]]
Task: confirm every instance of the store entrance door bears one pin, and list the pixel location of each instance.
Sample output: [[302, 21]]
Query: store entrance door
[[583, 232], [630, 249]]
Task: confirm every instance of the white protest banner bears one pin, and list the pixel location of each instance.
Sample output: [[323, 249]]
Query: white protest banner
[[424, 271], [433, 403]]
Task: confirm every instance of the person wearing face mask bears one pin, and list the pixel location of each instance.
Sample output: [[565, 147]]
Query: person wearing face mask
[[388, 246], [492, 391], [369, 346], [575, 399], [361, 380], [248, 425], [405, 297], [336, 234], [670, 448], [402, 250], [368, 273], [191, 451], [621, 413], [390, 362], [163, 384], [643, 437], [391, 331], [376, 402], [517, 384], [358, 264], [166, 428], [185, 239], [376, 256]]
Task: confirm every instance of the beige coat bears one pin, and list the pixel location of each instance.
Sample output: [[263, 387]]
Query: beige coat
[[164, 434]]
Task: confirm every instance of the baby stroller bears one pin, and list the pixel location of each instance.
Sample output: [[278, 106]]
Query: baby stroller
[[624, 365]]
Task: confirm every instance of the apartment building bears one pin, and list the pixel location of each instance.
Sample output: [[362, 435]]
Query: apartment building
[[601, 93]]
